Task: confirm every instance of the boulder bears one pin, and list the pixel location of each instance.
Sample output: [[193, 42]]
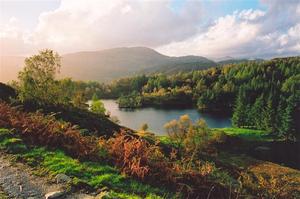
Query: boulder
[[62, 178], [55, 194]]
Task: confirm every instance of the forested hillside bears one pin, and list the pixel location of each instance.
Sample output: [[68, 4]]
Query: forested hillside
[[261, 95]]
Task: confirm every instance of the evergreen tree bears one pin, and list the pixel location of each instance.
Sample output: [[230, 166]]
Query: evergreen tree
[[256, 112], [239, 114], [95, 97], [288, 126], [269, 115]]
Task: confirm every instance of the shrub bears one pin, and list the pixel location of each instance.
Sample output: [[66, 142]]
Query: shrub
[[97, 107], [136, 157], [45, 130]]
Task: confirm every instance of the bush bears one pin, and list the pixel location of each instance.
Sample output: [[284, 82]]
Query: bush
[[136, 157], [97, 107], [45, 130]]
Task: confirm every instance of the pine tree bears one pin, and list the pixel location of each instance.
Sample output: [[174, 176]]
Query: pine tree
[[269, 115], [95, 97], [288, 126], [280, 116], [256, 112], [239, 113]]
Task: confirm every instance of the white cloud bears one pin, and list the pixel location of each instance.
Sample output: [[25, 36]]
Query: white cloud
[[224, 37], [247, 33], [92, 24]]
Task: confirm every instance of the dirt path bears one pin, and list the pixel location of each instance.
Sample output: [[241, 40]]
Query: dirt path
[[17, 181]]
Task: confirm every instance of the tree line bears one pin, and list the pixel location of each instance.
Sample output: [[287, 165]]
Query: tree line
[[260, 95]]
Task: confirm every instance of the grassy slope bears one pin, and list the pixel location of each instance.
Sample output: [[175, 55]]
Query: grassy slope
[[247, 134], [262, 173], [94, 175], [259, 176]]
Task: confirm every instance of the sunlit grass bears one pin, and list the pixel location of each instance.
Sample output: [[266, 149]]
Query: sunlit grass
[[248, 134], [95, 175]]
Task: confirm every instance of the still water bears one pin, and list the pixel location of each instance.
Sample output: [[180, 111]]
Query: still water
[[156, 118]]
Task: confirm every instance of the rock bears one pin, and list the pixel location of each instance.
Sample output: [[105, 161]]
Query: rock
[[62, 178], [262, 149], [102, 195], [54, 194]]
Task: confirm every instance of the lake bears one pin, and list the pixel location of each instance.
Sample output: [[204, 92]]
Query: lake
[[157, 117]]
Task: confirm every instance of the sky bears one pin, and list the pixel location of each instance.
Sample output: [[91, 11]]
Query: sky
[[211, 28]]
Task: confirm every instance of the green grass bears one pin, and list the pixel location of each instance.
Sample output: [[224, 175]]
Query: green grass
[[95, 175], [247, 134], [3, 195], [166, 140]]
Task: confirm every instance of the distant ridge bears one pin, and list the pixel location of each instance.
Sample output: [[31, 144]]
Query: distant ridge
[[109, 64]]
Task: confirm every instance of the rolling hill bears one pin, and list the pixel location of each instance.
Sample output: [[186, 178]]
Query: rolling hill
[[110, 64]]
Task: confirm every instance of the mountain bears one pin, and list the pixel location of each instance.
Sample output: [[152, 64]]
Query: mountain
[[109, 64], [106, 65], [231, 60], [181, 64]]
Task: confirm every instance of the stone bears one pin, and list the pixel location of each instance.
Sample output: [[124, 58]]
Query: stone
[[102, 195], [62, 178], [54, 194], [262, 148]]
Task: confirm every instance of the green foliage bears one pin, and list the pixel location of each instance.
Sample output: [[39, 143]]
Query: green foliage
[[95, 97], [251, 90], [37, 79], [192, 139], [240, 111], [287, 127], [97, 107], [78, 100], [130, 101], [11, 143]]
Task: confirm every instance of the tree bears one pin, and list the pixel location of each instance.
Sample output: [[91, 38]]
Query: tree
[[239, 112], [177, 130], [95, 97], [98, 107], [256, 112], [269, 115], [37, 79], [288, 129], [144, 127], [79, 101]]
